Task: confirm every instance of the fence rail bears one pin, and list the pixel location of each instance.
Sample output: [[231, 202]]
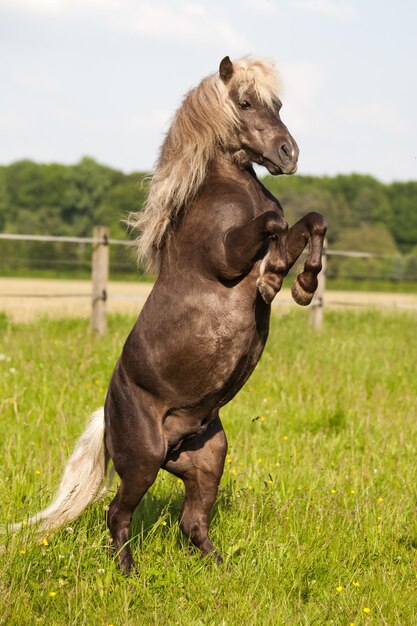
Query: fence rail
[[97, 239], [100, 242]]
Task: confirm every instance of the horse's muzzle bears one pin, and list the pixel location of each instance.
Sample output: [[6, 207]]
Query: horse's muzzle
[[288, 152]]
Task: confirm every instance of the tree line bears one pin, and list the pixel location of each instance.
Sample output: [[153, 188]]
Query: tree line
[[363, 214]]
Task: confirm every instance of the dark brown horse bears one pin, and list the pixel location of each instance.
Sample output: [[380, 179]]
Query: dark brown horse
[[221, 247]]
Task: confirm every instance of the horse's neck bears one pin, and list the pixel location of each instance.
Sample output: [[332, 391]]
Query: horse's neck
[[224, 168]]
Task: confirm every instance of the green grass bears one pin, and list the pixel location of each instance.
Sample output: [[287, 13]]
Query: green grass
[[371, 284], [316, 515]]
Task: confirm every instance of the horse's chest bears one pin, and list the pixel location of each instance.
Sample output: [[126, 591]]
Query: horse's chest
[[226, 355]]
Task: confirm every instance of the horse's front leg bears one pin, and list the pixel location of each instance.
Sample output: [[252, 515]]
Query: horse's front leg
[[310, 229], [274, 266], [244, 244]]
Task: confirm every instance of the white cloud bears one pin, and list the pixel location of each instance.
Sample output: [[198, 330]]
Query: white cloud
[[53, 7], [156, 120], [193, 22], [263, 7], [31, 83], [331, 8], [373, 115], [304, 86], [14, 122]]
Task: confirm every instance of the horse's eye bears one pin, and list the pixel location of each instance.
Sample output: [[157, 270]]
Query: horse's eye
[[245, 105]]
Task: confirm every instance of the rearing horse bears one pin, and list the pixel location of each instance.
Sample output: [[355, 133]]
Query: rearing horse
[[220, 246]]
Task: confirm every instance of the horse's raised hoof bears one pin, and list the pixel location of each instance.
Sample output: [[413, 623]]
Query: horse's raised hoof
[[267, 292], [300, 295]]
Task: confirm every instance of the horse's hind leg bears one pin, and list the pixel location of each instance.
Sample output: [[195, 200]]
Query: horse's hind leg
[[138, 451], [199, 463], [133, 487], [310, 229]]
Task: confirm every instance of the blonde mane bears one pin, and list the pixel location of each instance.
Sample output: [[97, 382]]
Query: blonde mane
[[205, 122]]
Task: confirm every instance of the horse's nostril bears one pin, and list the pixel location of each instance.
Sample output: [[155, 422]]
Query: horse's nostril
[[286, 151]]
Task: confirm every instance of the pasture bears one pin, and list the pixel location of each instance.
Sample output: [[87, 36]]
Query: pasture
[[316, 515]]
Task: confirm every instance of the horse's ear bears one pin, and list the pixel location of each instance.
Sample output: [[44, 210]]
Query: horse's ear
[[226, 69]]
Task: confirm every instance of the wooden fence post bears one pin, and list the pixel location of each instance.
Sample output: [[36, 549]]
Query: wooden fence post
[[99, 276], [316, 307]]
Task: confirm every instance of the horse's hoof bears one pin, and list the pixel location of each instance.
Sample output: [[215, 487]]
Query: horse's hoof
[[217, 557], [128, 567], [300, 295], [267, 292]]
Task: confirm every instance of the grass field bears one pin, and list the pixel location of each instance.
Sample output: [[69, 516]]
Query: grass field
[[316, 515]]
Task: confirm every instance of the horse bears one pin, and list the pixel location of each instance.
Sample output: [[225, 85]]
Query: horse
[[220, 247]]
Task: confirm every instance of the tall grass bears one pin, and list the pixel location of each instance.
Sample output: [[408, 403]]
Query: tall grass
[[316, 515]]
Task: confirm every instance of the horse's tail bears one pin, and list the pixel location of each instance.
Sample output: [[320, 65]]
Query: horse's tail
[[80, 484]]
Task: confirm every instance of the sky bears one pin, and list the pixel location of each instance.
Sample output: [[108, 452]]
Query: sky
[[103, 77]]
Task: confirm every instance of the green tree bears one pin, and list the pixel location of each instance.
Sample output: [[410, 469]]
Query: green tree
[[87, 184], [403, 197], [374, 238]]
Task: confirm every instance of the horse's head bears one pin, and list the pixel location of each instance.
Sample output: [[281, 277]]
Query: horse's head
[[261, 136]]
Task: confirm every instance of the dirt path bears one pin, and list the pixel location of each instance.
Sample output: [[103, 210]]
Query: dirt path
[[25, 299]]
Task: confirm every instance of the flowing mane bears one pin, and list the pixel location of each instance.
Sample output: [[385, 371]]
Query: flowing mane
[[205, 122]]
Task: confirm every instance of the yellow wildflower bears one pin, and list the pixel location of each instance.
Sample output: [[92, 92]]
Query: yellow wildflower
[[45, 542], [52, 594], [367, 610], [339, 588]]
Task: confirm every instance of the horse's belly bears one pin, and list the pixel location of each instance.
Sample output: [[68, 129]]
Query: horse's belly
[[214, 367], [192, 351], [196, 402]]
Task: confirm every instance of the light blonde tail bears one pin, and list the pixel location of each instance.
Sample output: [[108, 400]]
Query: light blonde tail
[[81, 482]]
